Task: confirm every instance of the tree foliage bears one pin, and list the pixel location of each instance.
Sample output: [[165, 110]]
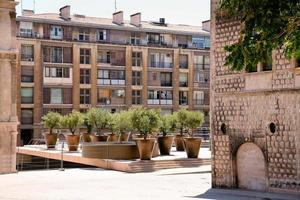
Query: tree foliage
[[99, 118], [122, 122], [51, 120], [145, 121], [266, 25], [167, 124], [72, 121], [194, 120], [181, 120]]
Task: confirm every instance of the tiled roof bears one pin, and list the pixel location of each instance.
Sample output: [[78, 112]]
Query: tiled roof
[[77, 20]]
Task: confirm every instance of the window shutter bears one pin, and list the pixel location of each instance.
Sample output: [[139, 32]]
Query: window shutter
[[67, 55], [46, 31], [67, 96], [46, 95]]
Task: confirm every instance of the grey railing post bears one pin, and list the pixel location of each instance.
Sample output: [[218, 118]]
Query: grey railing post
[[62, 158]]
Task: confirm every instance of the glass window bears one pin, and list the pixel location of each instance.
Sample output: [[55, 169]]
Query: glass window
[[201, 42], [183, 80], [136, 78], [27, 74], [183, 98], [56, 96], [198, 97], [135, 39], [27, 52], [136, 59], [101, 35], [56, 32], [84, 96], [84, 35], [26, 116], [27, 95], [85, 76], [118, 93], [136, 97], [183, 61], [85, 56], [166, 79], [57, 72]]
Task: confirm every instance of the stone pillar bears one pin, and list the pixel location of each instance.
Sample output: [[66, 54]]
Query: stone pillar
[[8, 85]]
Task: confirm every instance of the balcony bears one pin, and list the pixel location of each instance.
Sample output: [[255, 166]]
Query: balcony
[[161, 64], [110, 82], [160, 102]]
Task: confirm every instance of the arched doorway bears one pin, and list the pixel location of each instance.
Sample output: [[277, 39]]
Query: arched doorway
[[251, 169]]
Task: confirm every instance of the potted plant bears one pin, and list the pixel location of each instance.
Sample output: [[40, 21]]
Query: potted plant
[[181, 125], [192, 144], [111, 125], [122, 125], [72, 121], [167, 125], [89, 127], [99, 118], [51, 121], [145, 121]]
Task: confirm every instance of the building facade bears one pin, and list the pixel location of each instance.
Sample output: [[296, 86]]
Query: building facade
[[77, 62], [8, 89], [254, 117]]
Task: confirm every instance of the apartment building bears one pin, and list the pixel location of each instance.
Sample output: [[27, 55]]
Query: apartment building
[[77, 62]]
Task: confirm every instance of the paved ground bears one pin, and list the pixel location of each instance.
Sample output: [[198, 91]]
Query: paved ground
[[94, 184]]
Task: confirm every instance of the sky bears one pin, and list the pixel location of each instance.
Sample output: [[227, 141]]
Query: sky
[[191, 12]]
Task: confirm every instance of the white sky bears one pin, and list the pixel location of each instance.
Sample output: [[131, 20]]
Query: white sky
[[191, 12]]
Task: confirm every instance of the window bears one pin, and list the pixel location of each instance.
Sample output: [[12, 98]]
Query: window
[[85, 55], [84, 96], [26, 116], [27, 95], [57, 72], [136, 59], [117, 75], [101, 36], [26, 29], [56, 96], [27, 52], [85, 76], [201, 42], [118, 93], [267, 62], [160, 97], [198, 97], [136, 78], [27, 74], [103, 74], [84, 35], [183, 98], [56, 55], [183, 61], [166, 79], [136, 97], [103, 57], [183, 80], [135, 39], [56, 32], [155, 38], [111, 77], [201, 77], [201, 62], [104, 96]]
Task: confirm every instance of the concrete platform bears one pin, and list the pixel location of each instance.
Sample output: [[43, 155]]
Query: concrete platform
[[175, 160]]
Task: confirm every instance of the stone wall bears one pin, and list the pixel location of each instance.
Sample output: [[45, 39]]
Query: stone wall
[[246, 104]]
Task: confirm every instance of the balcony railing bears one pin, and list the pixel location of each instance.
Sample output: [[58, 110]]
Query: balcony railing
[[166, 84], [160, 102], [161, 64], [110, 81], [27, 57], [104, 101]]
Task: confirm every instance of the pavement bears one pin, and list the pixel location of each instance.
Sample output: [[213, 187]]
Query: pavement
[[94, 184]]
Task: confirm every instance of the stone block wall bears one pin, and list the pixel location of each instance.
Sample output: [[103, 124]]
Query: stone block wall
[[247, 104]]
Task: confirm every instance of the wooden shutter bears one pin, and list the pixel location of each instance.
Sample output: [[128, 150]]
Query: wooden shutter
[[46, 31], [46, 95], [46, 54], [67, 96], [67, 31], [113, 58], [67, 53]]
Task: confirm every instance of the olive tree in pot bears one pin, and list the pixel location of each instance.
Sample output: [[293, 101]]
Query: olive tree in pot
[[145, 121], [111, 126], [122, 125], [72, 121], [51, 121], [182, 126], [167, 125], [99, 118], [192, 144], [85, 137]]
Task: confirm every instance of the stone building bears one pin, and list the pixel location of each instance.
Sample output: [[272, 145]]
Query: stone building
[[254, 118], [8, 67], [75, 62]]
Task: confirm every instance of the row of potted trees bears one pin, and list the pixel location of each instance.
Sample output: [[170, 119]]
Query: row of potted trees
[[146, 122]]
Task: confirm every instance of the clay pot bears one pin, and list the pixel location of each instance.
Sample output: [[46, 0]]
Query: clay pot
[[113, 137], [179, 143], [124, 137], [145, 148], [50, 140], [192, 147], [73, 142], [99, 138], [165, 144], [85, 137]]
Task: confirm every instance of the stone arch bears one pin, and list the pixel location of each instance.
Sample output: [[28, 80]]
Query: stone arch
[[251, 167]]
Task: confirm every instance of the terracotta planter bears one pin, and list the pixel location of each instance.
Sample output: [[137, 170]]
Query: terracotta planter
[[192, 147], [145, 148], [73, 142], [179, 143], [113, 137], [50, 140], [99, 138], [165, 144], [85, 137], [124, 137]]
